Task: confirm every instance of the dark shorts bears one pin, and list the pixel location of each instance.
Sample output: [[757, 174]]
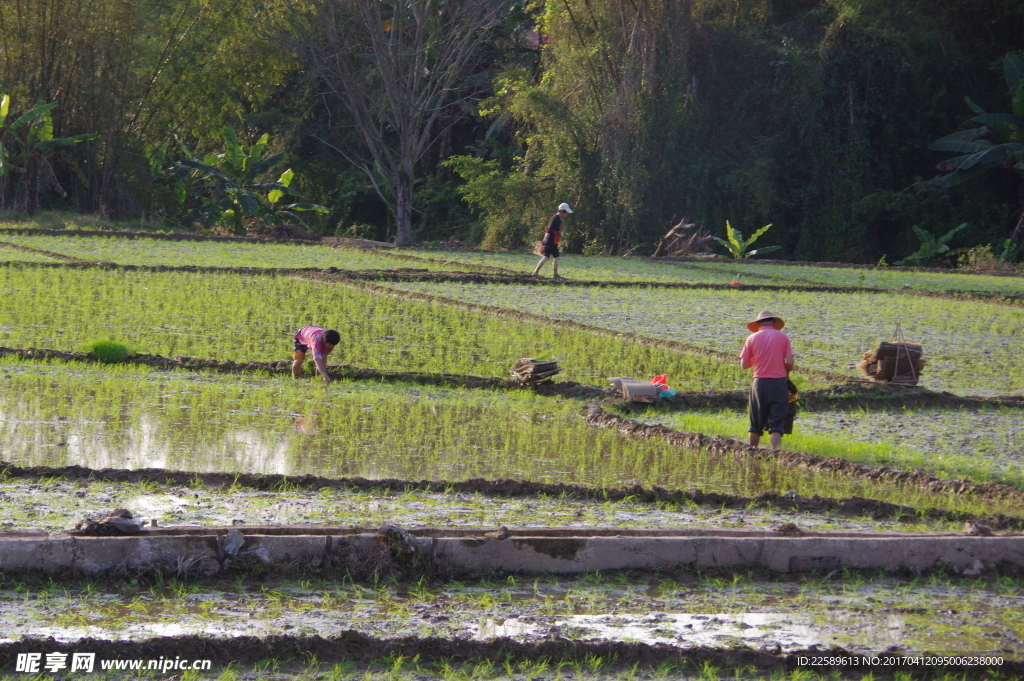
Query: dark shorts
[[550, 251], [769, 401], [299, 347]]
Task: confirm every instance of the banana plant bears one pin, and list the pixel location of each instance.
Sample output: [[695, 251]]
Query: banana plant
[[931, 247], [25, 147], [998, 143], [229, 190], [737, 247]]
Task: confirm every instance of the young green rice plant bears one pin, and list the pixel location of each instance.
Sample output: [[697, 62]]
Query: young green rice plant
[[108, 351], [235, 424], [152, 251], [968, 344], [989, 453], [871, 278], [252, 318]]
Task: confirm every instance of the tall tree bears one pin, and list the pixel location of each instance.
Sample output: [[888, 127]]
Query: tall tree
[[141, 74], [398, 67]]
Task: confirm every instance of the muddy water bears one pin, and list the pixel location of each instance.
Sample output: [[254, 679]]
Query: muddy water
[[56, 506], [133, 418], [685, 611]]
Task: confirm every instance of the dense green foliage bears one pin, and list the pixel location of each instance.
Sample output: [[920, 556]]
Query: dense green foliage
[[812, 115]]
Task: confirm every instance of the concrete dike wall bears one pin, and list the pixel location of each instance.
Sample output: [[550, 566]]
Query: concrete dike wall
[[208, 551]]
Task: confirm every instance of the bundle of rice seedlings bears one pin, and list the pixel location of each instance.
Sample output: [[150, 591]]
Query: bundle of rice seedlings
[[529, 370], [893, 363]]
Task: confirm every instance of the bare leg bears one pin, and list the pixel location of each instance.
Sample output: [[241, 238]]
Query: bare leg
[[543, 259], [554, 265], [776, 440], [755, 439], [298, 359]]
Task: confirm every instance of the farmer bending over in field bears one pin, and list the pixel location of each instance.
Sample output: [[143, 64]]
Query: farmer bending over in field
[[769, 351], [550, 240], [321, 341]]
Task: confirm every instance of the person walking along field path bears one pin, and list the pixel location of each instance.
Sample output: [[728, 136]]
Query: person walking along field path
[[552, 235], [770, 353]]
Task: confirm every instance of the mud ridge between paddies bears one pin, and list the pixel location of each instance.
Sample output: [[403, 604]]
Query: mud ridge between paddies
[[399, 275], [37, 251], [166, 236], [596, 416], [338, 371], [851, 395], [414, 275], [356, 647], [850, 506]]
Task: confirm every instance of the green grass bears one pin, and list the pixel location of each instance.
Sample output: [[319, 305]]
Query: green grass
[[253, 318]]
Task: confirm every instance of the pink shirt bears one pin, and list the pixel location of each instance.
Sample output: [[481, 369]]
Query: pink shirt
[[313, 338], [767, 349]]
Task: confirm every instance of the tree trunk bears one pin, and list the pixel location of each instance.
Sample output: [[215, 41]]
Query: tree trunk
[[403, 207]]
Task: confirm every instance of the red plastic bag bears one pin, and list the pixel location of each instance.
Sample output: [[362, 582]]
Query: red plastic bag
[[661, 381]]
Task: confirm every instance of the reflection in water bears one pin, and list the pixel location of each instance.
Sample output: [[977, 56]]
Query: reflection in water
[[52, 416]]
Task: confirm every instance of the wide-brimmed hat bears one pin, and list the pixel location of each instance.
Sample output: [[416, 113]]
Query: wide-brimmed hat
[[755, 325]]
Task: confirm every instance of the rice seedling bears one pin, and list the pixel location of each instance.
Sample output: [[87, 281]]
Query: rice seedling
[[976, 445], [878, 277], [254, 317], [970, 345], [143, 251], [108, 351], [14, 255]]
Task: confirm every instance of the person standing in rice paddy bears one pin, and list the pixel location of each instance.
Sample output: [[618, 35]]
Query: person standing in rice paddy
[[770, 353], [321, 342], [552, 234]]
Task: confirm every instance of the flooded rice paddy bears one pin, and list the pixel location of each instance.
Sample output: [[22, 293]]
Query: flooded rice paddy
[[56, 505], [53, 413], [971, 347], [132, 417], [865, 615]]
